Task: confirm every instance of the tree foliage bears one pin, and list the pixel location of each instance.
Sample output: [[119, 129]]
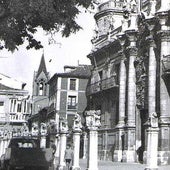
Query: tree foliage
[[19, 20]]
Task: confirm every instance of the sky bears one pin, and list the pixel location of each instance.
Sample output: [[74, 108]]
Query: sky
[[21, 64]]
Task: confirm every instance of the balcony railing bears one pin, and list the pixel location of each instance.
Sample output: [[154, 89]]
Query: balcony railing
[[111, 5], [71, 107], [102, 85], [17, 118]]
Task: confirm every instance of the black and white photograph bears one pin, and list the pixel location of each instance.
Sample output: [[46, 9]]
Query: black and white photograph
[[84, 84]]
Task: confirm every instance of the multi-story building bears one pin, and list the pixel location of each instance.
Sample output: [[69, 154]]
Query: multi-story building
[[130, 77], [67, 93], [14, 109]]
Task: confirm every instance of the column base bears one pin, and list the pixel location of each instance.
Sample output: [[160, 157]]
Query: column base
[[92, 168], [61, 167], [151, 168], [163, 157], [117, 157], [76, 168], [129, 156]]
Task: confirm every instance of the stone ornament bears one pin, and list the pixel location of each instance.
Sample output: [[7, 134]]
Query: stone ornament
[[24, 130], [63, 125], [93, 118], [34, 129], [154, 120], [43, 129], [77, 122]]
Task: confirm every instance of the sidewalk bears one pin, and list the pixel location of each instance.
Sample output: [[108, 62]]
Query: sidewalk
[[108, 165]]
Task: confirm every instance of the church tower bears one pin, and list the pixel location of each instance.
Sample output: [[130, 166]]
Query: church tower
[[40, 87]]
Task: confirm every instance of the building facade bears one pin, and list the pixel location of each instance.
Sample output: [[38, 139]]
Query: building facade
[[130, 79], [67, 97], [14, 109]]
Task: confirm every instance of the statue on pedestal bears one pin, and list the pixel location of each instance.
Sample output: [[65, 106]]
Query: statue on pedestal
[[24, 130], [93, 118], [77, 122], [63, 125], [34, 130], [43, 129], [154, 120]]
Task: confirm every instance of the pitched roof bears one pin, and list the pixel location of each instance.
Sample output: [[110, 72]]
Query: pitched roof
[[4, 87], [81, 71], [42, 67]]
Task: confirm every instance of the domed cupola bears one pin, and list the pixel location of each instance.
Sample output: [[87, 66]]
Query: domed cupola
[[110, 14]]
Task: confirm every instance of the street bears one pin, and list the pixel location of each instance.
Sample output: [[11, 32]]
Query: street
[[108, 165]]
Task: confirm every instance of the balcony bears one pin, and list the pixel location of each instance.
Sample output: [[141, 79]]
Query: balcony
[[102, 85], [72, 107], [118, 5], [17, 118]]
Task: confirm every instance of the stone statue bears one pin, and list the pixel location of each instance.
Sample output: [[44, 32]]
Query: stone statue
[[154, 120], [43, 130], [24, 130], [93, 118], [77, 122], [63, 125], [34, 129]]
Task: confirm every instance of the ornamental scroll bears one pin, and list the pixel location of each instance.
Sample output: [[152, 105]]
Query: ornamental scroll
[[93, 118]]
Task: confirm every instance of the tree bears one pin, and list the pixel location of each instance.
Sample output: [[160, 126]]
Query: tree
[[19, 20]]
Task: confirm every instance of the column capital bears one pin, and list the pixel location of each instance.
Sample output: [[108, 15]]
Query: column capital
[[132, 50], [93, 119], [131, 35]]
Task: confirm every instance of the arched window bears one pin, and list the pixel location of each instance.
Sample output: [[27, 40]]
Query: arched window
[[41, 88]]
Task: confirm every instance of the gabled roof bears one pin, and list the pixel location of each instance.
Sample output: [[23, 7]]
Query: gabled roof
[[81, 71], [42, 67], [4, 87]]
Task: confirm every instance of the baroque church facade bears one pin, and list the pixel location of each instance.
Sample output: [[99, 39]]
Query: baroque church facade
[[130, 77]]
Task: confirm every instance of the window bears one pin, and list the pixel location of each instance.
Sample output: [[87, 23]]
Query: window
[[72, 84], [1, 107], [71, 102], [41, 88]]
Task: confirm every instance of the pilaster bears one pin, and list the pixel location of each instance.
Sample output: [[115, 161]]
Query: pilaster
[[164, 123]]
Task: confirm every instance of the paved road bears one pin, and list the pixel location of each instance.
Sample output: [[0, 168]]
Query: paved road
[[108, 165]]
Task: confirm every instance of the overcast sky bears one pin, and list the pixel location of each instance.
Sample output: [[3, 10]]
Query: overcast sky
[[67, 51]]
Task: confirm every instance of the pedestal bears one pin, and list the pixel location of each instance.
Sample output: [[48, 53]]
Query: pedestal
[[76, 140], [152, 149], [93, 150], [43, 142], [63, 139]]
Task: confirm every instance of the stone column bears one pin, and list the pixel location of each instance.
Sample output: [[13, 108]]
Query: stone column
[[92, 123], [130, 153], [63, 140], [76, 141], [122, 83], [152, 69], [117, 147], [85, 145], [152, 143]]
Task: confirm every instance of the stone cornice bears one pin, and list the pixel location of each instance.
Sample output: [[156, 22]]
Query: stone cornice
[[164, 35]]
